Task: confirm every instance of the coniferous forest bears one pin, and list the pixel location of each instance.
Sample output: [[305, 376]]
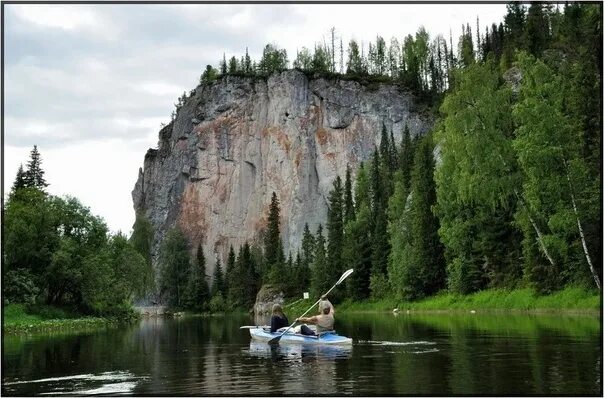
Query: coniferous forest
[[505, 192]]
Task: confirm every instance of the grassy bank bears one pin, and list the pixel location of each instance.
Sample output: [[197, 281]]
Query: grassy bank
[[20, 319], [570, 299]]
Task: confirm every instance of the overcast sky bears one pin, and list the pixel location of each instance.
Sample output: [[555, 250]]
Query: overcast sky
[[90, 84]]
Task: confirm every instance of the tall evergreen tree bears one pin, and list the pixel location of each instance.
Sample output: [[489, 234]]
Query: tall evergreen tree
[[348, 202], [34, 175], [230, 267], [273, 249], [20, 180], [335, 231], [218, 286], [318, 280], [425, 267], [198, 291], [175, 265]]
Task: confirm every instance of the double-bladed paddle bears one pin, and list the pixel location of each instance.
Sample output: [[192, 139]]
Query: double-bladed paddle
[[275, 340]]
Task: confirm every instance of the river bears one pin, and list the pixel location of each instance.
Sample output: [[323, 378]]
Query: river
[[417, 354]]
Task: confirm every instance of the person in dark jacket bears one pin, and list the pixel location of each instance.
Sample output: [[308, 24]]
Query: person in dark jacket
[[278, 320]]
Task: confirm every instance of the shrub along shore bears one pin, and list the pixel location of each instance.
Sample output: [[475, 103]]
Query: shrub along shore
[[22, 319], [568, 300]]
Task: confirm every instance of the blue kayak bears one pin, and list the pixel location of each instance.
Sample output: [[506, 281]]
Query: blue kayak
[[262, 334]]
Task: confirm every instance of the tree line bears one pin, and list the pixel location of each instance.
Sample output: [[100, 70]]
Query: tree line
[[56, 252], [503, 193]]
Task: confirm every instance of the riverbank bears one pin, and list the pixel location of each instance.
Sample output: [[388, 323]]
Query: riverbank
[[19, 319], [568, 300]]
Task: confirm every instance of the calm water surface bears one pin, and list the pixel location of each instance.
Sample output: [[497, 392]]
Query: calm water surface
[[444, 354]]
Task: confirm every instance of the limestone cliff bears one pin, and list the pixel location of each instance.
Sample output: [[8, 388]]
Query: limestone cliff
[[237, 140]]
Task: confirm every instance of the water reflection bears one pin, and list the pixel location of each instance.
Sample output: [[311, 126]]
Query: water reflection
[[412, 354], [297, 352]]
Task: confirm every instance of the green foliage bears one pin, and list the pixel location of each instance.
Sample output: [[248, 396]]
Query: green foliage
[[335, 231], [349, 212], [318, 279], [34, 175], [357, 252], [30, 234], [218, 283], [379, 286], [19, 286], [197, 291], [217, 303], [113, 277], [20, 181], [142, 237], [273, 249], [476, 180], [556, 172], [273, 60], [209, 75], [417, 263], [175, 264]]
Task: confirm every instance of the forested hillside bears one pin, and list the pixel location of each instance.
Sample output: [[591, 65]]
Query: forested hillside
[[505, 192]]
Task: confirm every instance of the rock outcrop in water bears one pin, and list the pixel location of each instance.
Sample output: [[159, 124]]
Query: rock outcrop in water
[[235, 141]]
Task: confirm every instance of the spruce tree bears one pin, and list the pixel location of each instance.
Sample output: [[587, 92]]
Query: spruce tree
[[20, 180], [348, 202], [273, 249], [218, 286], [223, 65], [406, 162], [175, 266], [426, 268], [251, 282], [319, 282], [335, 231], [198, 292], [230, 266], [34, 175]]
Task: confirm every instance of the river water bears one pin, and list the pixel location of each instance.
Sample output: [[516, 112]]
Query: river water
[[416, 354]]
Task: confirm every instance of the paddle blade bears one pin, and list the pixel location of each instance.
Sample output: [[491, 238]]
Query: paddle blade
[[344, 276], [275, 340]]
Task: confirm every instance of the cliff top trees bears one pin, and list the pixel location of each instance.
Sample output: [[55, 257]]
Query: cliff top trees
[[273, 60]]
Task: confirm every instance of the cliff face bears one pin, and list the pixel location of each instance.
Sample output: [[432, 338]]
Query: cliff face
[[239, 139]]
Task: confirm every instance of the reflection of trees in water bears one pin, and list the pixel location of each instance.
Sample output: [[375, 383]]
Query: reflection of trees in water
[[475, 354], [299, 369]]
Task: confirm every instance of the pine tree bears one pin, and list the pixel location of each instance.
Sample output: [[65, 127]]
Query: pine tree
[[223, 65], [247, 67], [230, 266], [406, 162], [348, 202], [273, 249], [175, 266], [34, 175], [335, 231], [426, 252], [198, 292], [251, 278], [218, 286], [20, 180], [319, 281], [355, 62]]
